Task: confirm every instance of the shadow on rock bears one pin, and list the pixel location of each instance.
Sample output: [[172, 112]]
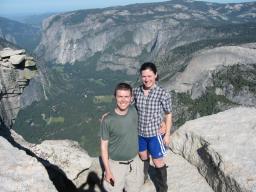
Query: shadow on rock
[[92, 181]]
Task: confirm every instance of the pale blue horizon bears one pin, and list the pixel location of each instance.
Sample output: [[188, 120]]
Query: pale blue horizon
[[22, 7]]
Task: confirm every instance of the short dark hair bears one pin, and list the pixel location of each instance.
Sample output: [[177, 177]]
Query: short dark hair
[[148, 65], [151, 67], [123, 86]]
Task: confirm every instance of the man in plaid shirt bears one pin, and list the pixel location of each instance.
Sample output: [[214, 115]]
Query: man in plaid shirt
[[153, 105]]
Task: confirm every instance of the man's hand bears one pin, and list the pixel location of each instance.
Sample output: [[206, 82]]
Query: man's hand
[[108, 176]]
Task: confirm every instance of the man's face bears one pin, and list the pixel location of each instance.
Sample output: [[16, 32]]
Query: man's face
[[123, 99], [148, 78]]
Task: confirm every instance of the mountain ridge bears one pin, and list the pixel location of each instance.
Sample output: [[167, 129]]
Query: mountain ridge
[[122, 37], [23, 35]]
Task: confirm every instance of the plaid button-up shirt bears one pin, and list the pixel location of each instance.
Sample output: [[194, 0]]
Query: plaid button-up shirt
[[151, 109]]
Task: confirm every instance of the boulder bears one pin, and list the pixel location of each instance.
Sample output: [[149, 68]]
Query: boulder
[[29, 74], [17, 59], [72, 160], [222, 147], [30, 62], [6, 64], [66, 154], [8, 52]]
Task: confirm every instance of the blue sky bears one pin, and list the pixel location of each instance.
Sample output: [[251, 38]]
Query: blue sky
[[14, 7]]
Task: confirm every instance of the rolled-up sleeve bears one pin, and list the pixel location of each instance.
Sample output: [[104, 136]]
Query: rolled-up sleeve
[[167, 102]]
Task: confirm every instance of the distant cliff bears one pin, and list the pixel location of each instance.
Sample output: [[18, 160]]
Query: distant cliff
[[22, 35], [123, 37], [214, 80]]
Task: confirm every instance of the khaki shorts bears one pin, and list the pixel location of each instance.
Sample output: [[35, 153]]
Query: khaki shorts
[[127, 176]]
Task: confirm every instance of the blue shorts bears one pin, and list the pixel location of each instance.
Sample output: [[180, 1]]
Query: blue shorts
[[154, 145]]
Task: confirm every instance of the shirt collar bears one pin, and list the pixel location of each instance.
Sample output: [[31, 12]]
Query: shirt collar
[[155, 86]]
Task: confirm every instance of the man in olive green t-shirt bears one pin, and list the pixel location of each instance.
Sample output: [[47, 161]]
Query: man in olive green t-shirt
[[119, 145]]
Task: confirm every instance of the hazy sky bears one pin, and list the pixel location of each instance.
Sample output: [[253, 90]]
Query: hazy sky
[[12, 7]]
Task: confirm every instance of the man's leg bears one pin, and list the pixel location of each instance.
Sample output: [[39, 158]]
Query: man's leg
[[135, 176], [119, 171]]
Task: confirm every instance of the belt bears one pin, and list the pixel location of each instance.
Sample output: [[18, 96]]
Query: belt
[[126, 162]]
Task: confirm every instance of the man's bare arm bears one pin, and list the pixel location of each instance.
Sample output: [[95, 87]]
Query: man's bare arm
[[105, 159]]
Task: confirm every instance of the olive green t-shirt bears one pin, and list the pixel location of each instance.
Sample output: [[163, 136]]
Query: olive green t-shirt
[[122, 135]]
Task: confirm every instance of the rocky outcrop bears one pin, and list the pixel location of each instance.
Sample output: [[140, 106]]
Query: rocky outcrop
[[16, 70], [65, 154], [20, 172], [222, 147], [182, 177], [65, 163]]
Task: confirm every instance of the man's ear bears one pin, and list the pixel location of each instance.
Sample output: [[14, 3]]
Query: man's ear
[[132, 99]]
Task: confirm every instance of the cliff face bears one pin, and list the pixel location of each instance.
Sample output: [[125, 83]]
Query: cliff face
[[202, 68], [121, 37], [16, 70], [19, 171], [214, 80]]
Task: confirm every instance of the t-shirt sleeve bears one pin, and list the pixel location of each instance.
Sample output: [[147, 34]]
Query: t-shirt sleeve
[[134, 96], [166, 102], [104, 130]]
